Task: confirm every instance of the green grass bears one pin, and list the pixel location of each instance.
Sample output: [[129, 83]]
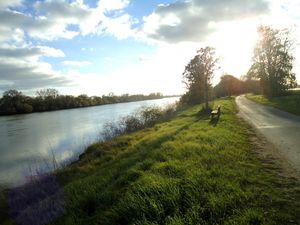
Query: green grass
[[289, 103], [185, 171]]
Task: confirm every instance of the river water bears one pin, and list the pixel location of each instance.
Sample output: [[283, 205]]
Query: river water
[[28, 142]]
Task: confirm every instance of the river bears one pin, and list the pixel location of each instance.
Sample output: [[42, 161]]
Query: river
[[28, 142]]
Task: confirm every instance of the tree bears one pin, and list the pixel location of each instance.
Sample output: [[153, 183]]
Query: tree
[[47, 93], [14, 101], [13, 94], [198, 75], [250, 85], [83, 100], [273, 62], [229, 85], [47, 99]]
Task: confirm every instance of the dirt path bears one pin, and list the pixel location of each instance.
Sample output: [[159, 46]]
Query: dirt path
[[280, 128]]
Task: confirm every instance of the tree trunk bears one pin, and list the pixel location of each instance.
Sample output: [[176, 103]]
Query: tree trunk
[[206, 94]]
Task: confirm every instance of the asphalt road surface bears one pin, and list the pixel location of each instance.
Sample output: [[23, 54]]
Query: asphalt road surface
[[282, 129]]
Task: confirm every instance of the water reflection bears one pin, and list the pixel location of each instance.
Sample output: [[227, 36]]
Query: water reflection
[[28, 141]]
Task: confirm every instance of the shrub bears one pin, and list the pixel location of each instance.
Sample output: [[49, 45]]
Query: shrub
[[142, 118]]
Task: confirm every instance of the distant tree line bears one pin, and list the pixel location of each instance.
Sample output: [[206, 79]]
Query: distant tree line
[[230, 85], [270, 73], [15, 102]]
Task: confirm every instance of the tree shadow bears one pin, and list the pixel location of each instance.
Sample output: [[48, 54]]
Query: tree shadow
[[202, 116], [214, 121]]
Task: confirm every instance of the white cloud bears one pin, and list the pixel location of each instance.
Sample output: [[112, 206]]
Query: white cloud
[[145, 58], [19, 74], [109, 5], [29, 51], [191, 20], [48, 51], [22, 68], [22, 65], [119, 27], [5, 3], [53, 19], [76, 63]]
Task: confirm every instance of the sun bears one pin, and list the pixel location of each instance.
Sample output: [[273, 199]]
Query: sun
[[234, 43]]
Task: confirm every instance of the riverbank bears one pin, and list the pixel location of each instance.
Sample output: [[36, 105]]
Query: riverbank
[[289, 103], [188, 170]]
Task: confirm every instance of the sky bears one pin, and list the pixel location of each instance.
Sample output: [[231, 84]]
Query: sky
[[130, 46]]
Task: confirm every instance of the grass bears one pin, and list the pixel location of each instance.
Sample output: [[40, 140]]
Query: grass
[[184, 171], [289, 103]]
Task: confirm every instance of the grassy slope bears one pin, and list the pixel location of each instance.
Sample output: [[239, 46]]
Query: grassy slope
[[289, 103], [185, 171]]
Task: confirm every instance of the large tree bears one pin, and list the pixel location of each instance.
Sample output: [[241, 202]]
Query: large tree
[[198, 75], [273, 61]]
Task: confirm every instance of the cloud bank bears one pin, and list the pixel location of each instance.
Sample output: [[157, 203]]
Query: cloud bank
[[195, 20], [24, 24], [27, 31]]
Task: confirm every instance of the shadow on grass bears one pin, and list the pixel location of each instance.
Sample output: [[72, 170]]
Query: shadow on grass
[[38, 202], [203, 115], [214, 121]]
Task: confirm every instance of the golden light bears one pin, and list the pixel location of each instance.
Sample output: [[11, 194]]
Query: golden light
[[234, 43]]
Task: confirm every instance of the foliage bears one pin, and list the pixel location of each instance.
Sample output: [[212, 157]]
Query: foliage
[[273, 62], [250, 85], [47, 93], [14, 101], [290, 102], [198, 75], [228, 86], [184, 171], [143, 118]]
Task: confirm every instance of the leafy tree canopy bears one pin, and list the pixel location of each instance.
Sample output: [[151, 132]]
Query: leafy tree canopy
[[198, 75], [273, 61]]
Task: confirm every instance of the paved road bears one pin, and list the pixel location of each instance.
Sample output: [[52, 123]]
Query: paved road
[[280, 128]]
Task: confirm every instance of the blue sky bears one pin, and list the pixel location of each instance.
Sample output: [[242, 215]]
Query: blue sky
[[128, 46]]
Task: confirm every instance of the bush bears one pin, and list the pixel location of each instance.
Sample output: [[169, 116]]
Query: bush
[[131, 124], [24, 108], [143, 118], [151, 115]]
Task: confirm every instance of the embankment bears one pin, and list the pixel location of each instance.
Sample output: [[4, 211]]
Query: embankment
[[188, 170]]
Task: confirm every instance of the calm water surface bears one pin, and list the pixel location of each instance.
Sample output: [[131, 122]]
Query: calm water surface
[[29, 141]]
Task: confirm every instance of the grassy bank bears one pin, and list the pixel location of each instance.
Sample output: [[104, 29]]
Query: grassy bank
[[184, 171], [289, 103]]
